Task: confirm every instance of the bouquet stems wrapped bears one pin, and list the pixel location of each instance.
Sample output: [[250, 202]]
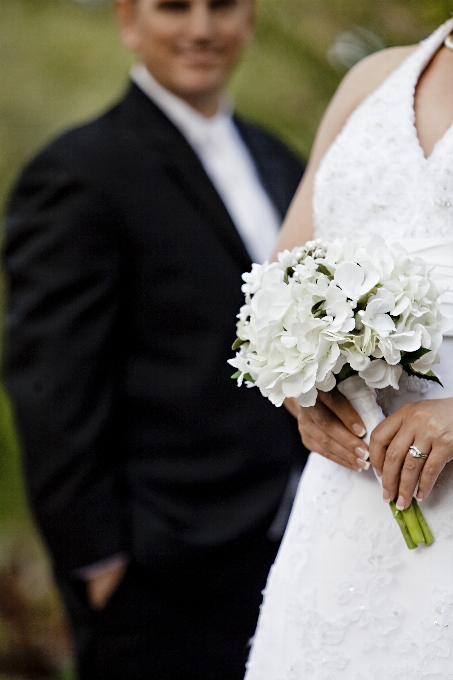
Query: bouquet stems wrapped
[[347, 313], [362, 398]]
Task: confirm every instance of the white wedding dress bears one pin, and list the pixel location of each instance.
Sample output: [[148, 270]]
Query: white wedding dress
[[346, 599]]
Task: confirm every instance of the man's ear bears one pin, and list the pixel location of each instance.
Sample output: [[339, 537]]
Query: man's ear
[[126, 12]]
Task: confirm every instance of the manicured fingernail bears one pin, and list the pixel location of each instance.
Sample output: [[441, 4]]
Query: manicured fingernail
[[387, 496], [400, 503], [362, 464], [419, 496], [378, 472], [359, 470], [358, 430], [362, 453]]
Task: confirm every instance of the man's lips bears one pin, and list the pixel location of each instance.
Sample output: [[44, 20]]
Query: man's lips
[[200, 57]]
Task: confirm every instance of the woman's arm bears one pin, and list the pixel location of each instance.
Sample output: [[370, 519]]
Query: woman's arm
[[332, 427]]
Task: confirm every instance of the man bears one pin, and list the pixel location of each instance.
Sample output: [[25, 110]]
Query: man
[[158, 484]]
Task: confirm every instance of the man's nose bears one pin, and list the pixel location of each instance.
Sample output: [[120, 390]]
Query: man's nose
[[201, 22]]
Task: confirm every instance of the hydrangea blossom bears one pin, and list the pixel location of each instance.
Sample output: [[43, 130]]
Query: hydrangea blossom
[[328, 310]]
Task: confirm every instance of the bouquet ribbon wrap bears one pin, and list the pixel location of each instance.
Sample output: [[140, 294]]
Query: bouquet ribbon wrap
[[363, 399]]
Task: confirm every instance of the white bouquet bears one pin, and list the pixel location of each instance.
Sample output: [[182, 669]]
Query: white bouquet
[[350, 313]]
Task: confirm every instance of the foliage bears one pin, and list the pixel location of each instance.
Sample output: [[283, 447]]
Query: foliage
[[287, 80], [60, 62], [12, 498]]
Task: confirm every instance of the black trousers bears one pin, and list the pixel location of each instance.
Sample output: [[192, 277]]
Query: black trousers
[[190, 622]]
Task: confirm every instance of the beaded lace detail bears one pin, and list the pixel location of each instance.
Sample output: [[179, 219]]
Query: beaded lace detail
[[375, 177], [346, 600], [378, 623]]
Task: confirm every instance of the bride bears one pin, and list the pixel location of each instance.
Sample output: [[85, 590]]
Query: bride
[[346, 598]]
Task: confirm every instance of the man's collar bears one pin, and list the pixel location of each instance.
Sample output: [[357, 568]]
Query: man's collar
[[193, 125]]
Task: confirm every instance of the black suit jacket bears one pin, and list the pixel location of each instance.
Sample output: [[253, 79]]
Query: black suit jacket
[[125, 273]]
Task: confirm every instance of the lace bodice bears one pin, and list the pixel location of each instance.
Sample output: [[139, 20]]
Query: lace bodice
[[375, 177]]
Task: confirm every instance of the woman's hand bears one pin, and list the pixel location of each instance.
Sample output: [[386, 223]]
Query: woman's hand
[[427, 425], [333, 429]]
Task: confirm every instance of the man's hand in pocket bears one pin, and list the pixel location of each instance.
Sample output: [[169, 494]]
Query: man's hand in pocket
[[101, 587]]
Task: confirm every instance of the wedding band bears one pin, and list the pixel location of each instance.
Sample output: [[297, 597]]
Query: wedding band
[[416, 453]]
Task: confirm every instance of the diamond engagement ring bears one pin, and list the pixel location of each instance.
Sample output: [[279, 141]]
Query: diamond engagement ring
[[416, 453]]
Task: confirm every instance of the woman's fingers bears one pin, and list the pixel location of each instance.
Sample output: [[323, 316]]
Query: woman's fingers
[[437, 460], [435, 419], [322, 431], [341, 456], [428, 426], [381, 437], [389, 453], [292, 406], [339, 405], [410, 474], [339, 461], [396, 460]]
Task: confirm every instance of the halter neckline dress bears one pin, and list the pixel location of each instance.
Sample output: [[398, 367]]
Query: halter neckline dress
[[346, 599]]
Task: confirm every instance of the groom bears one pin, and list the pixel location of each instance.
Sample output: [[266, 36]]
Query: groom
[[160, 488]]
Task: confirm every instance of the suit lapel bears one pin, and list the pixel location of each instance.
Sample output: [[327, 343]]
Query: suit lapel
[[188, 173], [185, 169]]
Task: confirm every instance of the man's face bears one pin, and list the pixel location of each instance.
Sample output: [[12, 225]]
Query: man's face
[[190, 46]]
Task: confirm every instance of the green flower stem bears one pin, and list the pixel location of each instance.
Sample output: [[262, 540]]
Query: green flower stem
[[413, 525], [398, 515], [429, 538]]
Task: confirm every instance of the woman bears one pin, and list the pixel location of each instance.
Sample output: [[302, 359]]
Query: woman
[[346, 598]]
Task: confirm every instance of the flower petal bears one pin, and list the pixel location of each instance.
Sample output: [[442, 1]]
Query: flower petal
[[349, 276]]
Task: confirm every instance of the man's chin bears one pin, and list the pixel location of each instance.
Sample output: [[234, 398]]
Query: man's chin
[[199, 87]]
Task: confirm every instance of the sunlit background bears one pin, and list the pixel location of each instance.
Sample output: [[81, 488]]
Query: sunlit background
[[61, 63]]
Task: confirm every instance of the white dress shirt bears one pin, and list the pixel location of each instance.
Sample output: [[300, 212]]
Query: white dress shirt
[[227, 162]]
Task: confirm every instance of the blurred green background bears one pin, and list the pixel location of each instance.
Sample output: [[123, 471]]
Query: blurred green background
[[60, 63]]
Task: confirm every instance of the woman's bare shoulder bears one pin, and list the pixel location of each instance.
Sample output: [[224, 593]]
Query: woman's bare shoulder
[[361, 81], [370, 73]]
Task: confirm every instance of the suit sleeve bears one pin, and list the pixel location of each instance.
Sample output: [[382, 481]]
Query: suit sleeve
[[63, 359]]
